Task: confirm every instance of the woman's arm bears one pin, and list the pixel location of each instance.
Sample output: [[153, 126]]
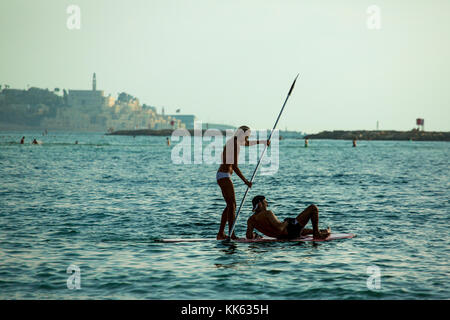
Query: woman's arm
[[235, 165], [240, 175], [255, 142]]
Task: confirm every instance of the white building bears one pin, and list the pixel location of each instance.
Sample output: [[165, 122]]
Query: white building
[[87, 99]]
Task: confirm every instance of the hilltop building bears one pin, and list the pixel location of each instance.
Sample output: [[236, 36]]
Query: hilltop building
[[87, 99], [83, 110]]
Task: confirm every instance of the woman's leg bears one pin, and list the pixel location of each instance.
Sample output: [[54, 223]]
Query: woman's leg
[[223, 223], [226, 185]]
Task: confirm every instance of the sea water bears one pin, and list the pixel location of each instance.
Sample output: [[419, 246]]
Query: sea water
[[92, 212]]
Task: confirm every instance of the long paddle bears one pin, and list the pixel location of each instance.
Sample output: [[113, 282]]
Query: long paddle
[[259, 161]]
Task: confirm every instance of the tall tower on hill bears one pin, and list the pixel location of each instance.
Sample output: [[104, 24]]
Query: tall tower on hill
[[94, 83]]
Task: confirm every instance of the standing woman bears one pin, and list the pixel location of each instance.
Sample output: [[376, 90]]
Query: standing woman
[[230, 156]]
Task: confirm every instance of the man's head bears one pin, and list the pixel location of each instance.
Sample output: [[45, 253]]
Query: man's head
[[259, 203]]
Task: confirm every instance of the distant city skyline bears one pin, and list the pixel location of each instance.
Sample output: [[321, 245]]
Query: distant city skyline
[[233, 62]]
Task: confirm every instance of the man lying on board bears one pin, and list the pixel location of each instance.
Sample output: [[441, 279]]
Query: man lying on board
[[267, 223]]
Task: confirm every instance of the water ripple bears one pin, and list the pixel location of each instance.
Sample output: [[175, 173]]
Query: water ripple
[[101, 205]]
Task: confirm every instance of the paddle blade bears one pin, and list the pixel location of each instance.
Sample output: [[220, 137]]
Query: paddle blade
[[293, 84]]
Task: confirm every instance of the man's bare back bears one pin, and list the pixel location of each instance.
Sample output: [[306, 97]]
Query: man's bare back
[[267, 223]]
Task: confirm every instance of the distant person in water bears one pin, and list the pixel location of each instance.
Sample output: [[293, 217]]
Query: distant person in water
[[34, 141], [267, 223], [354, 142], [230, 156], [306, 143], [168, 141], [22, 141], [76, 142]]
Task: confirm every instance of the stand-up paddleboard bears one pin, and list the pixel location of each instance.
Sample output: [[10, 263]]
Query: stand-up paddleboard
[[333, 236]]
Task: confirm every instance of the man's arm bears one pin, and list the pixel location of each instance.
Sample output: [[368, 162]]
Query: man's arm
[[250, 227]]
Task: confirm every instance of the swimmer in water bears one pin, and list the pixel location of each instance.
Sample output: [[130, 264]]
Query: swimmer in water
[[22, 141]]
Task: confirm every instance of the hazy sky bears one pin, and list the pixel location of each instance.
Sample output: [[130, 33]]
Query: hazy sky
[[232, 61]]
